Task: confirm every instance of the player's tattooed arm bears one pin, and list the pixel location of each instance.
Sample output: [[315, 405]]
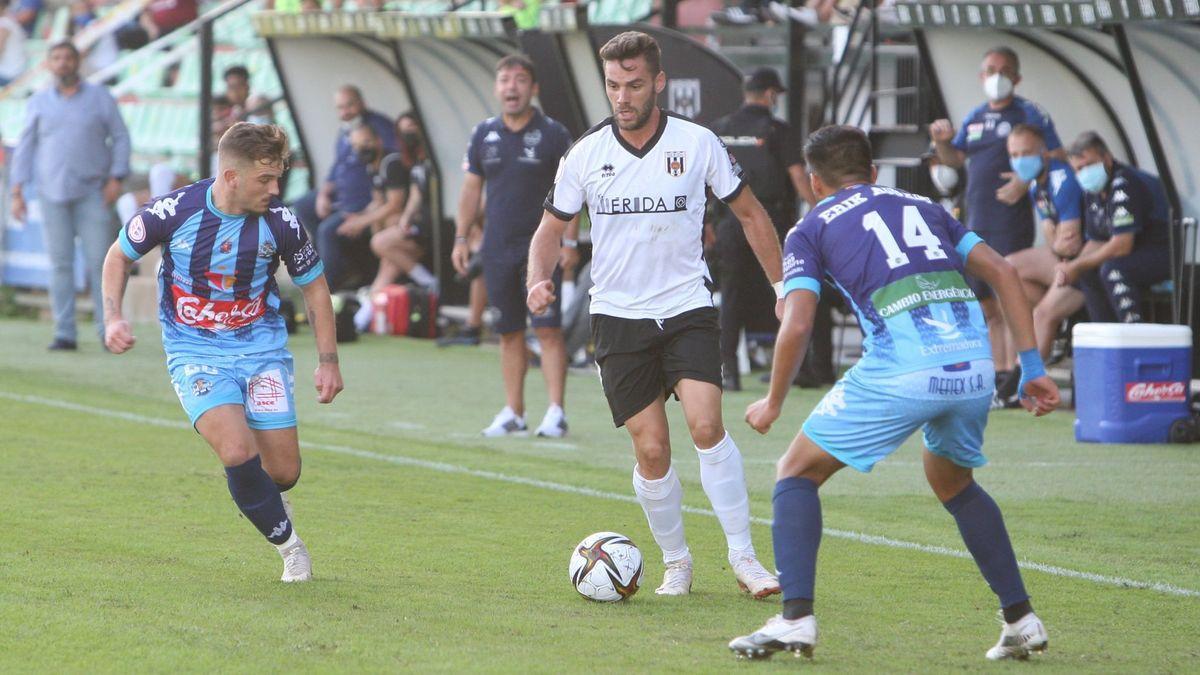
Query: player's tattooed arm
[[114, 276], [331, 357]]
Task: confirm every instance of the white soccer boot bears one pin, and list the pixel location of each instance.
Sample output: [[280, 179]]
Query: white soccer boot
[[297, 564], [752, 577], [798, 636], [677, 580], [1019, 639], [506, 423], [554, 424]]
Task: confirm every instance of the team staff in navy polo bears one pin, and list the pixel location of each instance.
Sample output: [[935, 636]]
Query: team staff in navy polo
[[515, 155], [997, 201]]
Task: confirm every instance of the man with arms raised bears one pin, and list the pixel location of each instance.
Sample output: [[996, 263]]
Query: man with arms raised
[[643, 175], [222, 240], [899, 261]]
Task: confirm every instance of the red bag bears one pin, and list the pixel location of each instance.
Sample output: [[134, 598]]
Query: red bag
[[405, 310]]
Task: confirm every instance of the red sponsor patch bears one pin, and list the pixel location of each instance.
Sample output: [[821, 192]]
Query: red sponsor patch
[[191, 310], [1155, 392]]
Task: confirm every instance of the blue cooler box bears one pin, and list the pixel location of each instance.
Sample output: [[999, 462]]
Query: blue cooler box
[[1131, 381]]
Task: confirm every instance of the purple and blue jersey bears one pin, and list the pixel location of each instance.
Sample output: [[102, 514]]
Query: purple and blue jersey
[[898, 258], [217, 290]]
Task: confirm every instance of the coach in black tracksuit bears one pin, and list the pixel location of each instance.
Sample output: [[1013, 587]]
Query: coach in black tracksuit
[[770, 155]]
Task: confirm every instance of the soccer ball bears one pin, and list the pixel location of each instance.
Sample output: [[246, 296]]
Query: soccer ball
[[606, 567]]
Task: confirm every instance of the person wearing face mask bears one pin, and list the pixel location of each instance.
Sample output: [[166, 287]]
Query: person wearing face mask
[[770, 156], [1125, 224], [1058, 203], [347, 189], [946, 183], [996, 200]]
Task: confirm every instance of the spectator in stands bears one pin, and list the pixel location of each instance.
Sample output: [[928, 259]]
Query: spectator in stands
[[75, 149], [526, 13], [346, 190], [997, 204], [105, 51], [12, 46], [1058, 202], [1125, 225], [258, 110], [237, 90], [26, 14], [158, 19]]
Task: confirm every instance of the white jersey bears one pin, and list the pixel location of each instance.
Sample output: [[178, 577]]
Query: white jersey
[[647, 213]]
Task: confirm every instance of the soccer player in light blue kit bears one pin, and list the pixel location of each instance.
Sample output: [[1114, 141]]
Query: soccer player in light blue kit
[[899, 260], [222, 240]]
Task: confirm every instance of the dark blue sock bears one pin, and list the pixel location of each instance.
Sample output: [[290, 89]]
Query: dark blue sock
[[258, 498], [982, 528], [797, 534]]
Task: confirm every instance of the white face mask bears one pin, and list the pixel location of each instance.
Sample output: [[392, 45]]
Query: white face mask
[[944, 178], [997, 87]]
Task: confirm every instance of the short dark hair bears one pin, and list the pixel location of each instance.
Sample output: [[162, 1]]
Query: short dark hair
[[221, 100], [838, 153], [517, 61], [64, 44], [254, 143], [1088, 140], [630, 45], [1029, 129], [1008, 53], [237, 71], [352, 90]]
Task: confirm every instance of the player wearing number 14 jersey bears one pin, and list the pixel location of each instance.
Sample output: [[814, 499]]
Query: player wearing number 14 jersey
[[899, 260]]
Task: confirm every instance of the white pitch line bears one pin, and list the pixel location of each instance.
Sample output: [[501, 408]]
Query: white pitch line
[[875, 540]]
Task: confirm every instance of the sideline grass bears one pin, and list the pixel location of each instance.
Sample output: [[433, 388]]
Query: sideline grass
[[120, 549]]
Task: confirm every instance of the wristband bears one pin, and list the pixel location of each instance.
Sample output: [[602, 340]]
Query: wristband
[[1031, 368], [570, 243], [778, 286], [458, 239]]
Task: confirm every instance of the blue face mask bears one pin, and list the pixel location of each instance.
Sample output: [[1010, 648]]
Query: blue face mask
[[1092, 177], [1027, 168]]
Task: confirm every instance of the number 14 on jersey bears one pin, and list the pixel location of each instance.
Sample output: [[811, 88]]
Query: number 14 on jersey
[[916, 234]]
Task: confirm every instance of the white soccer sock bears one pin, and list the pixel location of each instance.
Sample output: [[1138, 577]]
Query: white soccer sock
[[724, 482], [291, 541], [422, 275], [662, 500]]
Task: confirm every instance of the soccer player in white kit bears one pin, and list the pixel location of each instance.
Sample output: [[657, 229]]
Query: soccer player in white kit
[[643, 174]]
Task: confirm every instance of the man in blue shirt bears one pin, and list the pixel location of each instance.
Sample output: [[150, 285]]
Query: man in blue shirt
[[74, 148], [516, 154], [898, 259], [222, 239], [1125, 224], [1058, 204], [997, 206], [346, 190]]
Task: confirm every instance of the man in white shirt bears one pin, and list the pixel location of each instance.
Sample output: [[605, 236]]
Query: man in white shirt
[[643, 174]]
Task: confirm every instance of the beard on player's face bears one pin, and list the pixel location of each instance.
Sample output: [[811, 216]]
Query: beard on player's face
[[641, 113]]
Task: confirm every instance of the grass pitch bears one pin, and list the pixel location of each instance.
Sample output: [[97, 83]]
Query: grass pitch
[[435, 549]]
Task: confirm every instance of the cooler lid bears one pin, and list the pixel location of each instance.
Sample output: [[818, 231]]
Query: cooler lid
[[1125, 335]]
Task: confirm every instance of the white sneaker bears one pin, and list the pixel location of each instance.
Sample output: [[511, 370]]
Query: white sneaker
[[297, 564], [677, 580], [554, 424], [752, 577], [1019, 639], [362, 317], [506, 423], [798, 636]]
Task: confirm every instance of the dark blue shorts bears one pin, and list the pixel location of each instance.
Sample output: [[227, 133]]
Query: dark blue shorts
[[506, 292], [1004, 242]]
